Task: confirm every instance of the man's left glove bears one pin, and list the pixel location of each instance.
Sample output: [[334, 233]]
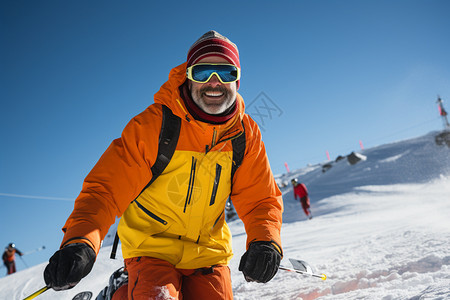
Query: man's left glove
[[261, 261], [68, 266]]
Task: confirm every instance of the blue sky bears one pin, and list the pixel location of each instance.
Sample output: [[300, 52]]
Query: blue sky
[[316, 75]]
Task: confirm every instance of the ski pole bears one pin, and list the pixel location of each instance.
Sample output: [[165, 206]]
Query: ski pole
[[37, 293], [23, 261], [321, 276], [35, 250]]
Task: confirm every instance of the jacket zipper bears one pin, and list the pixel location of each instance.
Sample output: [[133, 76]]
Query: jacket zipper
[[213, 142], [231, 137], [216, 184], [207, 148], [150, 214], [191, 183]]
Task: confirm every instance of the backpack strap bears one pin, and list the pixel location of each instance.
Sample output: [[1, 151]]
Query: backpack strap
[[168, 139], [114, 246], [238, 144], [238, 152]]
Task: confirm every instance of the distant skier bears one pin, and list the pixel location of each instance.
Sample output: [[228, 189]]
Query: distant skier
[[301, 192], [9, 257]]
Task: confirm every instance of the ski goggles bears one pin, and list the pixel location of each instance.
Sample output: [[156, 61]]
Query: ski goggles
[[202, 73]]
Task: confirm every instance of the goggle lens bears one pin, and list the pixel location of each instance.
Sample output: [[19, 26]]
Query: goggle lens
[[203, 72]]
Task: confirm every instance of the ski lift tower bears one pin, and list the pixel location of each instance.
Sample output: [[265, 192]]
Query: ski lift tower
[[443, 113]]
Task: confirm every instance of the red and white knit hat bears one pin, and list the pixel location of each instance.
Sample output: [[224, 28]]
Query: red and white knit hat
[[213, 43]]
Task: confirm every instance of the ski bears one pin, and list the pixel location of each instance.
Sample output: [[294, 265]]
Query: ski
[[302, 267], [83, 296]]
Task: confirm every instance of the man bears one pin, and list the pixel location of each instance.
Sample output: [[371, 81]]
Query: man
[[175, 240], [9, 258], [301, 192]]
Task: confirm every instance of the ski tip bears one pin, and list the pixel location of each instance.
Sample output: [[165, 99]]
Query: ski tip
[[324, 277]]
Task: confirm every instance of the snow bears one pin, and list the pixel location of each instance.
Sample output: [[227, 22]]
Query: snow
[[381, 230]]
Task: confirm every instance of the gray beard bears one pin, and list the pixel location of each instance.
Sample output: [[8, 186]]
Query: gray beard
[[197, 98]]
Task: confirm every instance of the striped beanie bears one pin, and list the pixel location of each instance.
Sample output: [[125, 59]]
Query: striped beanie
[[213, 43]]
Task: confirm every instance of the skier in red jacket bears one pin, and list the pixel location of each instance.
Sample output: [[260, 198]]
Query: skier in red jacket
[[301, 192], [9, 258]]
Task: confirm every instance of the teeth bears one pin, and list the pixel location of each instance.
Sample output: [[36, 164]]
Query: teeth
[[213, 94]]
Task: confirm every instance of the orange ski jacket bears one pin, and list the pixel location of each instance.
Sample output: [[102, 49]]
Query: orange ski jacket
[[10, 256], [180, 216]]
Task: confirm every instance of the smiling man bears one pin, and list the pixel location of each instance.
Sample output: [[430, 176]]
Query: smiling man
[[175, 241], [213, 97]]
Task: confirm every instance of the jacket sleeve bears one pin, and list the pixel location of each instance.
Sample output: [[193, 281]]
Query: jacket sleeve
[[115, 181], [295, 193], [305, 189], [255, 195]]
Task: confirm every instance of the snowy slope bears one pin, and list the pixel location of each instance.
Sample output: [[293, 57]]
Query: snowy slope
[[381, 230]]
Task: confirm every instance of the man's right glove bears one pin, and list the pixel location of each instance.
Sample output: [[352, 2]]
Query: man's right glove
[[261, 261], [68, 266]]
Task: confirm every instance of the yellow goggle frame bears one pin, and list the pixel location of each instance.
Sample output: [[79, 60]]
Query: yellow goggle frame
[[206, 73]]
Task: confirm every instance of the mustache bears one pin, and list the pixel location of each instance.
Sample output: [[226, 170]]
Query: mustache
[[219, 88]]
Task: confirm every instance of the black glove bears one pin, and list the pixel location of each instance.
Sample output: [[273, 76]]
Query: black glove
[[261, 261], [68, 266]]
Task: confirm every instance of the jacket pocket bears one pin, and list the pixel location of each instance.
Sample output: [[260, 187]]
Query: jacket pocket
[[150, 214], [216, 184], [138, 224]]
